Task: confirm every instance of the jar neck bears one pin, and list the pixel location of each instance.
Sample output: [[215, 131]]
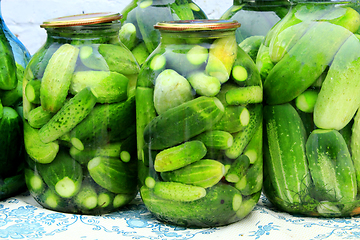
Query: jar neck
[[103, 33]]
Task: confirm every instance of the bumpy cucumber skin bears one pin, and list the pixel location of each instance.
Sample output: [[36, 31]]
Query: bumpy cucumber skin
[[77, 108], [331, 166], [284, 152], [57, 77], [8, 78], [196, 116], [215, 209]]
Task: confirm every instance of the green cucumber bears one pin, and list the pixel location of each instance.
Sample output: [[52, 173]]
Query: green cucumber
[[221, 201], [179, 156], [251, 45], [119, 59], [196, 116], [36, 149], [115, 119], [204, 84], [338, 100], [203, 173], [331, 167], [174, 191], [181, 10], [242, 138], [263, 62], [304, 65], [11, 139], [140, 53], [113, 174], [235, 119], [244, 95], [284, 152], [8, 78], [216, 139], [57, 77], [12, 97], [71, 114], [63, 175], [247, 205], [109, 87], [306, 101], [254, 149], [34, 182], [38, 117], [32, 91], [86, 198], [171, 90], [355, 148], [127, 35], [237, 169]]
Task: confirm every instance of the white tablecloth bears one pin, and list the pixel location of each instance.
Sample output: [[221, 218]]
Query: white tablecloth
[[22, 218]]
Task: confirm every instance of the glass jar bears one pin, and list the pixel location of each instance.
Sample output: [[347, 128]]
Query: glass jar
[[312, 161], [256, 17], [199, 125], [79, 110], [14, 58], [140, 16]]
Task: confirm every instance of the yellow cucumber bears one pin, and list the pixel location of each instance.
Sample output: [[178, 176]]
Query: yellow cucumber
[[57, 77]]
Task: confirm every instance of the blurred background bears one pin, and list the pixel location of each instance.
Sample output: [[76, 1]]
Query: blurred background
[[23, 17]]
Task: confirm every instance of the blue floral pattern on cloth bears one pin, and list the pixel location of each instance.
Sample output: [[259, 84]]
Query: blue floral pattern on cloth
[[22, 218]]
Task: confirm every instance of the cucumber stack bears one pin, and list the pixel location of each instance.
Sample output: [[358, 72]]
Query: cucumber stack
[[311, 92], [199, 130], [79, 110]]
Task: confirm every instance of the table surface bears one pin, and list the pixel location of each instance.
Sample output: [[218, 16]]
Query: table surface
[[22, 218]]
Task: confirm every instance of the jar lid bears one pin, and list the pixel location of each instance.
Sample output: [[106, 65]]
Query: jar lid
[[197, 25], [82, 19]]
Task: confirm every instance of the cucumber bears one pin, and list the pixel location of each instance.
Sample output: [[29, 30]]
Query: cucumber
[[216, 139], [179, 156], [334, 108], [237, 169], [13, 185], [109, 87], [355, 148], [331, 167], [304, 65], [203, 173], [247, 205], [32, 91], [71, 114], [251, 45], [243, 137], [284, 152], [263, 62], [11, 142], [87, 197], [57, 77], [36, 149], [140, 53], [119, 59], [196, 116], [13, 97], [127, 35], [115, 119], [181, 10], [221, 203], [204, 84], [63, 175], [113, 174], [174, 191], [34, 182], [38, 117], [244, 95], [8, 78], [171, 90]]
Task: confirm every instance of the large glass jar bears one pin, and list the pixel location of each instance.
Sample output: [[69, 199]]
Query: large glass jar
[[79, 110], [256, 17], [199, 126], [140, 16], [14, 58], [311, 122]]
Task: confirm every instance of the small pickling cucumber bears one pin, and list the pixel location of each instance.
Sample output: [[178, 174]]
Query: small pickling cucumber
[[175, 191], [196, 116], [251, 45], [113, 174], [284, 152], [263, 62], [140, 53], [179, 156], [203, 173], [32, 91], [119, 59], [171, 90], [331, 167], [235, 119], [57, 77], [36, 149], [237, 169], [91, 58], [216, 139], [127, 35], [222, 201], [63, 175], [204, 84], [38, 117], [8, 78], [109, 87], [71, 114], [244, 95]]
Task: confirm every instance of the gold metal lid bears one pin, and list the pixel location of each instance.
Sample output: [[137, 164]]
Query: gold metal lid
[[197, 25], [82, 19]]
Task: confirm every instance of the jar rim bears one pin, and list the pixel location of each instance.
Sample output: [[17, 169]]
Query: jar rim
[[82, 19], [197, 25]]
